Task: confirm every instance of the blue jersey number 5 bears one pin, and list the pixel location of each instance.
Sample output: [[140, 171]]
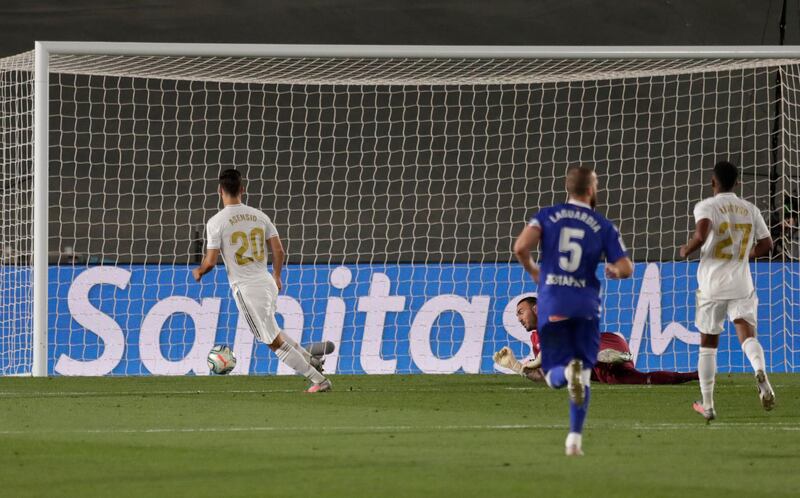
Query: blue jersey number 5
[[567, 243]]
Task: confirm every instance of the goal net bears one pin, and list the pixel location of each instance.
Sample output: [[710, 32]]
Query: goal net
[[397, 184]]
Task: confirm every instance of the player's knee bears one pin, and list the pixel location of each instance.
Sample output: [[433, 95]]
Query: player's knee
[[548, 378], [709, 340], [276, 343]]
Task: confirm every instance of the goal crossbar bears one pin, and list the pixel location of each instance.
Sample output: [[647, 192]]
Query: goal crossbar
[[418, 51]]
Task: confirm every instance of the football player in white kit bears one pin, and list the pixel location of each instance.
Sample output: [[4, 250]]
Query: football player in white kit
[[241, 234], [730, 231]]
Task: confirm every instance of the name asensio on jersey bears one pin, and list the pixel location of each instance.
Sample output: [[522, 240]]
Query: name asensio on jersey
[[243, 217], [576, 215], [565, 280]]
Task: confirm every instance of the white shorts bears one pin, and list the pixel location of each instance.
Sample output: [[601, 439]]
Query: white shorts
[[710, 314], [258, 305]]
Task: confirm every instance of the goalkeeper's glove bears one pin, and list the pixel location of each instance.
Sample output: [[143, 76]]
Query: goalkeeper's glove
[[505, 358], [532, 364]]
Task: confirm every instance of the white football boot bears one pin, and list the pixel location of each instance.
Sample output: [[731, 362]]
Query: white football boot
[[613, 356], [708, 413], [575, 382]]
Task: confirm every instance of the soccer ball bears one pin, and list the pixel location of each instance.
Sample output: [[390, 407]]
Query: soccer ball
[[221, 360]]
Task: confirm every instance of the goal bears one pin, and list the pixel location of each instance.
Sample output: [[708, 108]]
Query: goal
[[398, 178]]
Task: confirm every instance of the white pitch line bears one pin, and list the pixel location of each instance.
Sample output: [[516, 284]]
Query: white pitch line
[[366, 429], [69, 394], [65, 394], [411, 428]]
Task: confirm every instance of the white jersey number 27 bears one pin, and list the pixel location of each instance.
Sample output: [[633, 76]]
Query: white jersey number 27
[[720, 250]]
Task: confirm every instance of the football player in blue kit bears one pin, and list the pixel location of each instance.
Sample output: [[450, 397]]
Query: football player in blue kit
[[572, 239]]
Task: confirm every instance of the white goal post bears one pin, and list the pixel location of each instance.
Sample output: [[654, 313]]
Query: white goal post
[[404, 173]]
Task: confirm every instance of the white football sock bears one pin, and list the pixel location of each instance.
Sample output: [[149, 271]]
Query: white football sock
[[574, 439], [300, 349], [586, 377], [755, 353], [706, 370], [292, 357]]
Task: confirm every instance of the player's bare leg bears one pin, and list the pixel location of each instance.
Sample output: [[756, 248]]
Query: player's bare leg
[[755, 353], [706, 371]]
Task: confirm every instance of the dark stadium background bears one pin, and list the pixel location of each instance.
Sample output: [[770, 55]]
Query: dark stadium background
[[456, 22], [131, 228]]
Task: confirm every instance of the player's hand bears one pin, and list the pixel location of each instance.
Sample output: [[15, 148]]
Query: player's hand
[[278, 282], [506, 359], [684, 251], [196, 274], [611, 271], [500, 356]]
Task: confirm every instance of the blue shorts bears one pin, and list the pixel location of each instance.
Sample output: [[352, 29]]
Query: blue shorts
[[565, 340]]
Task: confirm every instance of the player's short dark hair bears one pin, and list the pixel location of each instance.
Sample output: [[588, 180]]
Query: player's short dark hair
[[579, 180], [230, 181], [531, 300], [726, 174]]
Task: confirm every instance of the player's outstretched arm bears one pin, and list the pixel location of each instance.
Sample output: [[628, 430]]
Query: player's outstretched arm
[[209, 262], [531, 369], [701, 231], [527, 241], [276, 248]]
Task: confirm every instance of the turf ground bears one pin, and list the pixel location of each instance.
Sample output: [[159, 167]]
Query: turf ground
[[455, 435]]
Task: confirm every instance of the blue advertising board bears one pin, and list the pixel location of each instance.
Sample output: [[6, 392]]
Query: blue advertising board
[[384, 318]]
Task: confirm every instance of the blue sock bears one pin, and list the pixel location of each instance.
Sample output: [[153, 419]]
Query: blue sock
[[577, 413], [556, 378]]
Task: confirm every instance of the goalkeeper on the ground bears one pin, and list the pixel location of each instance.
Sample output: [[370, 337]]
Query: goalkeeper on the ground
[[614, 361]]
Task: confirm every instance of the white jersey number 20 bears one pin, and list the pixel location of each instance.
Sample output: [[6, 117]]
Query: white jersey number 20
[[254, 242]]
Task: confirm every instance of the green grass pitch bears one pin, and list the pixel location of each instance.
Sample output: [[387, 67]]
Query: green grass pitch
[[385, 436]]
